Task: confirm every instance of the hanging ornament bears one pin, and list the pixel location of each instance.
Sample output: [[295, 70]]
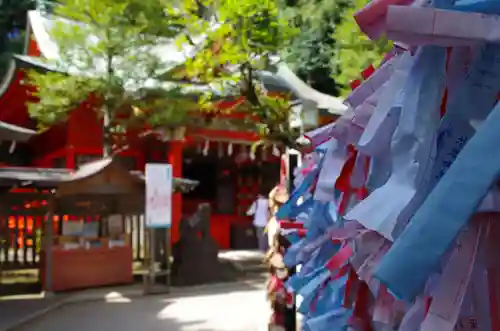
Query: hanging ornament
[[12, 147], [230, 149], [206, 147], [252, 153], [220, 151], [276, 151]]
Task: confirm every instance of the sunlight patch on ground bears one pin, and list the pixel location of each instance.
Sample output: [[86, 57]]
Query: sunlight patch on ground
[[234, 311], [241, 255], [115, 297]]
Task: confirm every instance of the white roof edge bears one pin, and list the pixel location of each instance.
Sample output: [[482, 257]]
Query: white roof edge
[[27, 36], [8, 77], [50, 51], [40, 24], [48, 48], [304, 91]]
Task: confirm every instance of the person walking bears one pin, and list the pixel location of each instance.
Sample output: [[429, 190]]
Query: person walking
[[260, 212]]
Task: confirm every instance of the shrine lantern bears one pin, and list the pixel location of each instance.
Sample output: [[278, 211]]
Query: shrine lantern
[[304, 115]]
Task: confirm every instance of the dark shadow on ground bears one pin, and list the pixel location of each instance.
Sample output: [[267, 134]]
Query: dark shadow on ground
[[16, 282], [20, 282], [13, 311]]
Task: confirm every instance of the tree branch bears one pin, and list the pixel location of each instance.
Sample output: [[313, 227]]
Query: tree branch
[[189, 39], [249, 89]]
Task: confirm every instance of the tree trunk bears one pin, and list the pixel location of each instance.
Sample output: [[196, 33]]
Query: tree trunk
[[106, 111], [106, 136]]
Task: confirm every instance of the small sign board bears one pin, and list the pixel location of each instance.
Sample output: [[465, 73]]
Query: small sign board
[[158, 195], [72, 228], [115, 225]]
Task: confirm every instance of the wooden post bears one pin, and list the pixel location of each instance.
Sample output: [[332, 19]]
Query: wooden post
[[168, 255], [49, 243], [4, 237], [70, 157], [152, 261], [292, 161], [175, 159]]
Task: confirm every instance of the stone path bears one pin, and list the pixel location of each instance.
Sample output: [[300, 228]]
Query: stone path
[[229, 307], [15, 311]]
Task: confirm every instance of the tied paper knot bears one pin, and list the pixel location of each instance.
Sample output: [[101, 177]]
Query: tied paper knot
[[449, 295], [372, 84], [324, 282], [417, 252], [371, 19], [431, 26], [411, 146]]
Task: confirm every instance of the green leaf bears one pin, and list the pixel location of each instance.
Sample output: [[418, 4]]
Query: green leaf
[[116, 53], [355, 52], [109, 48]]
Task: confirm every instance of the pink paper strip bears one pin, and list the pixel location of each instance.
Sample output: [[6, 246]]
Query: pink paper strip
[[372, 84], [414, 316], [371, 18], [449, 296], [365, 272], [341, 257], [287, 225], [351, 230], [494, 294], [332, 130], [493, 271], [430, 26], [383, 311], [320, 135]]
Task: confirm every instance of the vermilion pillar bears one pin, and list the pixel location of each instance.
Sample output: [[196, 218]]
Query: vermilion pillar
[[175, 159], [70, 157]]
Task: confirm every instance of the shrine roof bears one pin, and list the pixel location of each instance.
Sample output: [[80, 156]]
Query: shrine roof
[[167, 52], [284, 80], [53, 177], [40, 25], [14, 133], [31, 62], [24, 176]]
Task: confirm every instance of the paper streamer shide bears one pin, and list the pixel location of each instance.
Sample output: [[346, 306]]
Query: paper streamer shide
[[397, 209]]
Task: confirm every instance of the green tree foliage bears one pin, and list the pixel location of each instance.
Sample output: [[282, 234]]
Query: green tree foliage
[[240, 39], [311, 50], [109, 49], [113, 55], [354, 51], [12, 26], [330, 51]]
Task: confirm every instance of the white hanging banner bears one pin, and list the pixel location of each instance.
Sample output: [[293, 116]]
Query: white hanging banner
[[158, 195]]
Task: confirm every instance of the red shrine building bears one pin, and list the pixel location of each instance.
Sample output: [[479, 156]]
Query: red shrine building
[[219, 158]]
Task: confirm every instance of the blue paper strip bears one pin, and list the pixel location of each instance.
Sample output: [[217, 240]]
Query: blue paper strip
[[482, 6], [417, 252]]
